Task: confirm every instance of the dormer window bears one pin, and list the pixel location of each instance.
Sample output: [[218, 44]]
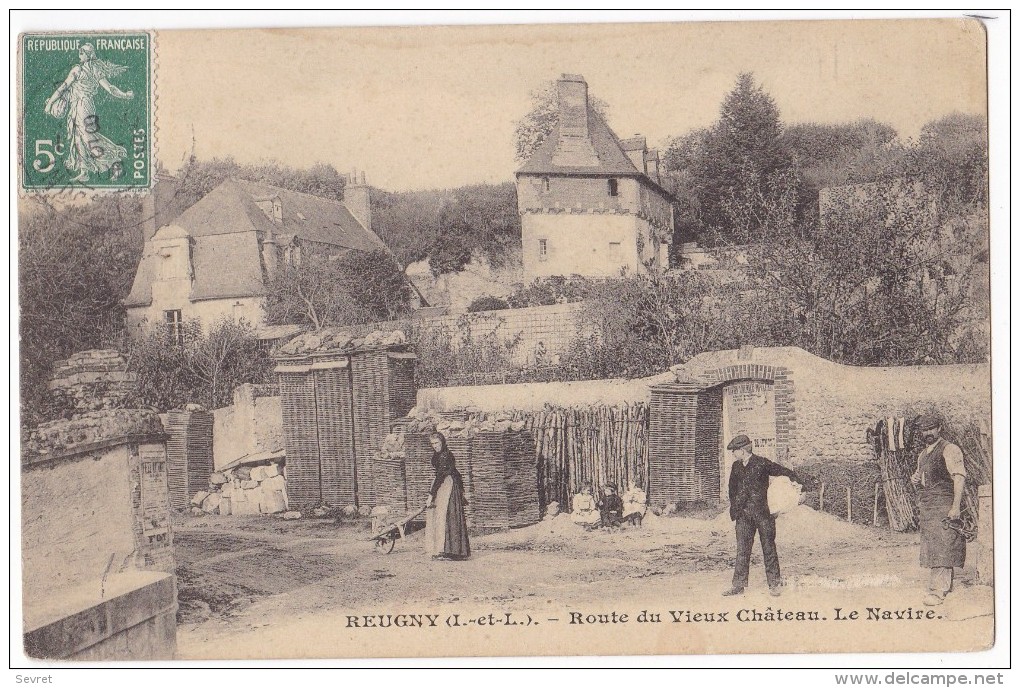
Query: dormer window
[[277, 211], [614, 187]]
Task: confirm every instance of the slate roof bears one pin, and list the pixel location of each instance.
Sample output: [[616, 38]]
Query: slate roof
[[613, 161], [225, 226]]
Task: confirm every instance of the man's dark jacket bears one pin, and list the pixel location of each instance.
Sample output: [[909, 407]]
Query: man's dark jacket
[[749, 486]]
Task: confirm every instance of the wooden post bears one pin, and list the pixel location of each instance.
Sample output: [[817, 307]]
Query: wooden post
[[849, 507], [821, 498], [874, 517]]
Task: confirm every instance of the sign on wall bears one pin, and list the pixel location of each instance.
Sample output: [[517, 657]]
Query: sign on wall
[[749, 408]]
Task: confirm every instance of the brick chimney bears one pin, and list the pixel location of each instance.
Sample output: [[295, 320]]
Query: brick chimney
[[270, 254], [635, 148], [160, 205], [652, 165], [357, 200], [574, 147]]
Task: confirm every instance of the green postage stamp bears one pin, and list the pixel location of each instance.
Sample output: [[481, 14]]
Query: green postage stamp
[[86, 111]]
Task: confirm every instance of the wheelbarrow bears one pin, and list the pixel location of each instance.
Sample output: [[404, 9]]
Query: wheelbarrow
[[386, 537]]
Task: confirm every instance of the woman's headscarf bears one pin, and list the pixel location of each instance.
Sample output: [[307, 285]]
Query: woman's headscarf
[[442, 459]]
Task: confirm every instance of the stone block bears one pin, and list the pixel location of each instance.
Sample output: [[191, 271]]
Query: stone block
[[274, 503], [211, 504]]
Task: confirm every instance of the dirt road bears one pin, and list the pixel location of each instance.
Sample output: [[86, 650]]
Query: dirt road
[[262, 587]]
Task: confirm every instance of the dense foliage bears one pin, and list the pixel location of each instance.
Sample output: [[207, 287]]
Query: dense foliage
[[202, 369], [199, 177], [327, 288], [449, 226], [75, 265]]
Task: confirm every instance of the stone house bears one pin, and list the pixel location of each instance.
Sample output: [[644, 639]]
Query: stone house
[[590, 203], [217, 258]]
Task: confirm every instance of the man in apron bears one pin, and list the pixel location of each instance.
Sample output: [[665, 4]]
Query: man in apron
[[939, 478]]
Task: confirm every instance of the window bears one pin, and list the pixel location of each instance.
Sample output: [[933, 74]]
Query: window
[[174, 327], [614, 187], [545, 183], [614, 250], [543, 249]]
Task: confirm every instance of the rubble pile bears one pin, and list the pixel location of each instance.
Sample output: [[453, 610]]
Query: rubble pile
[[90, 428], [244, 491], [335, 340], [94, 380], [457, 423]]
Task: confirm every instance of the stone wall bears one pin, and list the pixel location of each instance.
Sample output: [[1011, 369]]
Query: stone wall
[[97, 546], [251, 425], [823, 409], [94, 380], [97, 540], [543, 332]]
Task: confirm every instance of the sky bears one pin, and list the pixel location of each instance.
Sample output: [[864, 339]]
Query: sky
[[425, 107], [434, 107]]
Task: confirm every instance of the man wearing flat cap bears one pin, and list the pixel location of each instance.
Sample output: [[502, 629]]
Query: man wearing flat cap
[[940, 479], [749, 509]]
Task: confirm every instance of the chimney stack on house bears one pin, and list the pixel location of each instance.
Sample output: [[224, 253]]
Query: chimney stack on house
[[652, 165], [159, 205], [644, 159], [635, 148], [574, 147], [358, 200], [270, 254]]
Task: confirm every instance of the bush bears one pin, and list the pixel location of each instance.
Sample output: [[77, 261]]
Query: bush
[[547, 291], [487, 303], [444, 355], [202, 369]]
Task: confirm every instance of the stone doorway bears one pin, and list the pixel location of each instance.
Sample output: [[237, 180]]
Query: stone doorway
[[748, 408]]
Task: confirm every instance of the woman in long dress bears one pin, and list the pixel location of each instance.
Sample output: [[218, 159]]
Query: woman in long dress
[[88, 150], [445, 522]]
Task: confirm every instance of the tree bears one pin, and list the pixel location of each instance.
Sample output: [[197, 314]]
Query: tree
[[532, 129], [203, 369], [481, 219], [450, 226], [951, 156], [199, 177], [75, 266], [740, 176], [330, 288], [829, 155], [874, 282], [408, 221]]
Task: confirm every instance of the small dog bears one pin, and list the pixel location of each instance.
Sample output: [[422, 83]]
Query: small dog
[[634, 519]]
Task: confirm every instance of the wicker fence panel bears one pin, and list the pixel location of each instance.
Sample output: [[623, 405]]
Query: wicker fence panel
[[301, 439], [189, 455], [334, 426]]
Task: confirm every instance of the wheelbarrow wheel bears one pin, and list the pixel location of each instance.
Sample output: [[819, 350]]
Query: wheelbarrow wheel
[[384, 545]]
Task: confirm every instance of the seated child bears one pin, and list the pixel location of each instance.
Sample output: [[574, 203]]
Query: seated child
[[583, 510], [634, 505], [610, 506]]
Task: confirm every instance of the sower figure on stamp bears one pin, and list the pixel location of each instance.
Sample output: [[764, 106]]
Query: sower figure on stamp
[[749, 509], [88, 150], [940, 478]]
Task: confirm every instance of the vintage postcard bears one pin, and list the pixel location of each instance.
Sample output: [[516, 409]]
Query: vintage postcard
[[601, 339]]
